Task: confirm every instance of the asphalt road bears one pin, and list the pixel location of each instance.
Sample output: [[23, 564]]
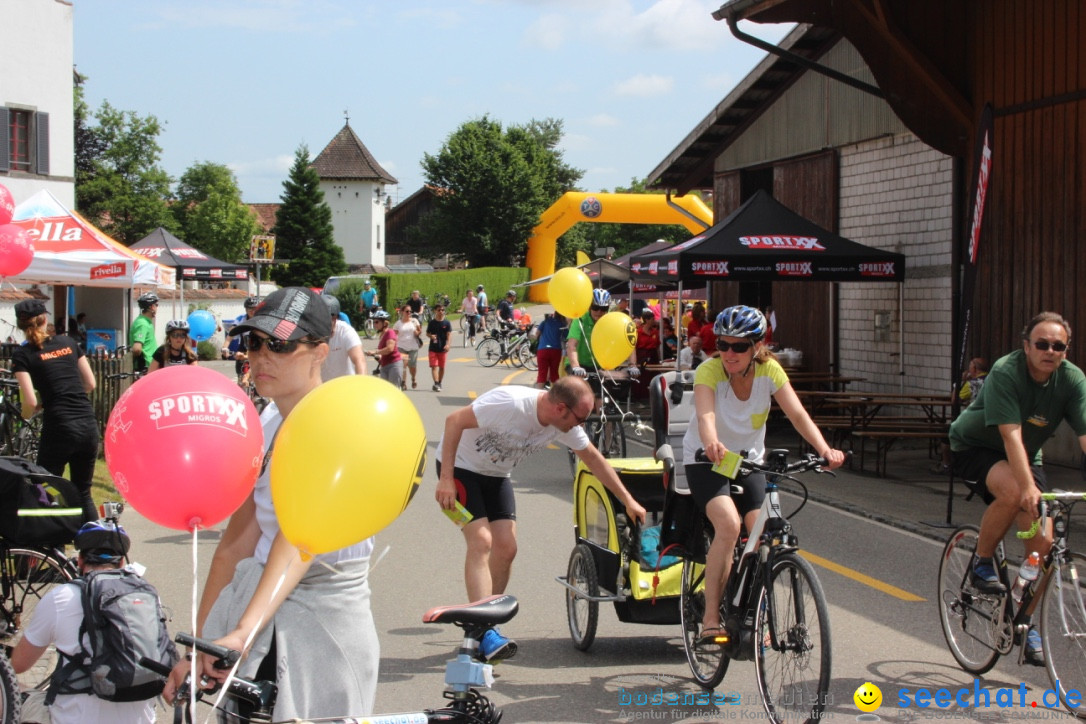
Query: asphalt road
[[879, 582]]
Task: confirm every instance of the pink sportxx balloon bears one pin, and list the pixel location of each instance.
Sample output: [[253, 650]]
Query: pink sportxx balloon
[[7, 205], [184, 446], [16, 250]]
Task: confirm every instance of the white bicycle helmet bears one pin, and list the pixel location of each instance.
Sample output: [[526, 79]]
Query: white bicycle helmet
[[177, 324], [740, 321], [601, 298]]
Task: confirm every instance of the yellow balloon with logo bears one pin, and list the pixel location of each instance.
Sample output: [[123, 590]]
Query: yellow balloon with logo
[[613, 339], [570, 292], [333, 486]]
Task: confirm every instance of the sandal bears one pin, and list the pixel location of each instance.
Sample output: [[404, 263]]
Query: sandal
[[708, 637], [414, 384]]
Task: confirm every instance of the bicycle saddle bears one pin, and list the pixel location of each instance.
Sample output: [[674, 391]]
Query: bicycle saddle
[[488, 611]]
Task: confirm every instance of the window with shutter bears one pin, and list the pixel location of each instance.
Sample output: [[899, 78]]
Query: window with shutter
[[5, 150], [41, 142]]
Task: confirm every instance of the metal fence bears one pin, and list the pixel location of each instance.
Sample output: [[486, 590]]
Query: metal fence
[[104, 364]]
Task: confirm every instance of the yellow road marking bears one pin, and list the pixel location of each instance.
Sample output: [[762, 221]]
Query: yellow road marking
[[875, 583], [472, 394], [509, 378]]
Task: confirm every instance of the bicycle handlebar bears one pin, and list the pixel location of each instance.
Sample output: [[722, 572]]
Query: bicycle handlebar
[[224, 657], [810, 461], [1042, 511]]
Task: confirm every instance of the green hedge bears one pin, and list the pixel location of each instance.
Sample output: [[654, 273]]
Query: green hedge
[[454, 284]]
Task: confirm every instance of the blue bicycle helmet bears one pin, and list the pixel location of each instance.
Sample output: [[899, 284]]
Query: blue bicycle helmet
[[177, 324], [601, 298], [102, 541], [740, 321]]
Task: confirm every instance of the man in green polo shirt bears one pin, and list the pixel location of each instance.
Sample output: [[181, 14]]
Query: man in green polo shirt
[[141, 335]]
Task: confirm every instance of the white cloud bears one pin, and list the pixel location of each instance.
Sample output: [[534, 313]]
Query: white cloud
[[262, 166], [548, 32], [603, 120], [645, 86]]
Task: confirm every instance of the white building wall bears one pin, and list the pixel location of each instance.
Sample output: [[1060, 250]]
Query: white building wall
[[896, 194], [358, 219], [36, 66]]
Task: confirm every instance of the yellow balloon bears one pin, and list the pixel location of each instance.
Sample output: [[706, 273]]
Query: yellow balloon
[[613, 339], [346, 462], [570, 292]]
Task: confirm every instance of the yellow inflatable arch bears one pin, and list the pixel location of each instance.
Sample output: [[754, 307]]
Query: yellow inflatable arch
[[577, 206]]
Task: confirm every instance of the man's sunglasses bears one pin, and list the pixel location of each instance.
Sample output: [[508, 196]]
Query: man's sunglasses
[[738, 347], [1044, 344], [276, 346], [594, 308]]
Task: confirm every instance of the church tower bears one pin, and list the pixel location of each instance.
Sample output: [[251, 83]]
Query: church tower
[[354, 188]]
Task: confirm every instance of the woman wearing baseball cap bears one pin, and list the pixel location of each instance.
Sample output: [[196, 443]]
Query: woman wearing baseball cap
[[55, 367], [317, 637]]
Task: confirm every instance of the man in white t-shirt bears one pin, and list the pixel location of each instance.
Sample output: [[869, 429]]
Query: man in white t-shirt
[[691, 355], [345, 355], [481, 445], [57, 617]]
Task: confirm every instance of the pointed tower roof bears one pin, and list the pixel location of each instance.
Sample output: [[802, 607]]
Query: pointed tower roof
[[346, 157]]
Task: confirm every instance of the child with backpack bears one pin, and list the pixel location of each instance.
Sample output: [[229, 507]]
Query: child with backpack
[[102, 624]]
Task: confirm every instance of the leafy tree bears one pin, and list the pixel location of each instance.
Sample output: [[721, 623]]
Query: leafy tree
[[125, 191], [303, 229], [88, 145], [210, 213], [494, 185]]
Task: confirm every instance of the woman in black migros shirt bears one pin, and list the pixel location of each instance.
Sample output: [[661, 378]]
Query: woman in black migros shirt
[[56, 367]]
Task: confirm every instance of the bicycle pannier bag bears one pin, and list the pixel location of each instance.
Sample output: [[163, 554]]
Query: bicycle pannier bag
[[37, 508], [123, 621]]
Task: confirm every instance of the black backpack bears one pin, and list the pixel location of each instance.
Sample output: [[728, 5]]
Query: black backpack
[[124, 622], [37, 507]]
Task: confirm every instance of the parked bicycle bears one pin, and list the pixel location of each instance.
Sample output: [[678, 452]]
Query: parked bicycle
[[465, 705], [18, 436], [506, 344], [981, 627], [773, 608], [27, 574]]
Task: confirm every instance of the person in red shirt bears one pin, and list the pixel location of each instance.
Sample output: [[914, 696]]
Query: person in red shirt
[[697, 321], [648, 339]]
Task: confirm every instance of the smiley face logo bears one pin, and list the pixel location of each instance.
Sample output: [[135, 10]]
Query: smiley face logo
[[868, 697]]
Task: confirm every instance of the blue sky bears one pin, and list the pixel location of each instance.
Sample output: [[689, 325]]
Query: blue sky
[[245, 82]]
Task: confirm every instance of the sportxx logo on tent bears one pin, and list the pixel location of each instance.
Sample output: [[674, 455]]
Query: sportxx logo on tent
[[877, 269], [652, 267], [786, 243], [710, 268], [795, 269], [673, 266]]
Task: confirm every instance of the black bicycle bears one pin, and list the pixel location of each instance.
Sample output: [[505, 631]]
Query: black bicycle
[[19, 436], [464, 704], [773, 607], [507, 344]]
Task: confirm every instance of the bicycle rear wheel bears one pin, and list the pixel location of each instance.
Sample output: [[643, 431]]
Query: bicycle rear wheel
[[527, 356], [28, 439], [30, 574], [973, 622], [708, 663], [1063, 629], [367, 328], [488, 352], [583, 614], [792, 642], [10, 698]]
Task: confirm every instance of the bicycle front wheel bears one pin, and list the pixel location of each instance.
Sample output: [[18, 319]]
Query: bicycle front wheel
[[972, 621], [708, 664], [31, 574], [28, 439], [1063, 630], [527, 357], [367, 328], [488, 352], [611, 439], [792, 642]]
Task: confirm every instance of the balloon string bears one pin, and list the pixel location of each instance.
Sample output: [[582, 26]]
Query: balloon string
[[248, 641], [192, 671], [380, 557]]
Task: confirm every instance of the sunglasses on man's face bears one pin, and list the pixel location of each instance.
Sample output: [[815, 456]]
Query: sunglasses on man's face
[[1043, 345], [275, 346], [737, 347], [594, 308]]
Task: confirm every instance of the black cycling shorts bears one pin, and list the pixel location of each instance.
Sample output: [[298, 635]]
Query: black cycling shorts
[[973, 464], [485, 496], [706, 485]]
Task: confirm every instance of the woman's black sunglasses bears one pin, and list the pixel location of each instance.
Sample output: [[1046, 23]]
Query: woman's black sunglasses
[[276, 346], [738, 347]]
